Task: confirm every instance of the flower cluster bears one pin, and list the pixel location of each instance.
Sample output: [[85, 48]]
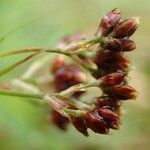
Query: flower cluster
[[65, 76], [111, 72]]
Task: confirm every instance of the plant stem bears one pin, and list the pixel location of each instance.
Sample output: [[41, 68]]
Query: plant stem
[[70, 49], [83, 65], [25, 50], [11, 67], [68, 91], [78, 87], [19, 94]]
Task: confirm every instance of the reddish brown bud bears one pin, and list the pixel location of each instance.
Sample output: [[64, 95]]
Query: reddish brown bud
[[103, 56], [107, 102], [79, 124], [107, 114], [113, 78], [120, 45], [68, 76], [123, 92], [59, 120], [110, 117], [58, 63], [114, 63], [109, 21], [126, 28], [109, 62], [96, 123]]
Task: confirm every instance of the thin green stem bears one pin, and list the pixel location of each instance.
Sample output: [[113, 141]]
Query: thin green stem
[[69, 51], [64, 93], [19, 94], [11, 67], [83, 65], [74, 112], [78, 87], [66, 51], [15, 52]]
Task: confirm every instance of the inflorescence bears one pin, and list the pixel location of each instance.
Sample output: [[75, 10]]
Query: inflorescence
[[97, 62]]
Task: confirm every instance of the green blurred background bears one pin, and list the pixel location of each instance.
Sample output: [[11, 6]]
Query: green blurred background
[[32, 23]]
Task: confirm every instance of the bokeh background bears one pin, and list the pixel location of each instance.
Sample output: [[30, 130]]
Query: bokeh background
[[41, 23]]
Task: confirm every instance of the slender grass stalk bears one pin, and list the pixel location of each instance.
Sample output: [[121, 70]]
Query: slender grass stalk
[[65, 51], [19, 94], [41, 96], [13, 66]]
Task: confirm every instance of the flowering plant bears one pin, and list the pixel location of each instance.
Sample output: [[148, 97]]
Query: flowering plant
[[97, 61]]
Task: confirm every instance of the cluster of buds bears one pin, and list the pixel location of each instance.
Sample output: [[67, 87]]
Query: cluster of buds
[[112, 69], [65, 76]]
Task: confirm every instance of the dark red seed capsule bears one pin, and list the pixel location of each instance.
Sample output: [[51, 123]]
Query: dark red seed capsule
[[96, 123], [79, 124], [104, 59], [123, 92], [107, 102], [59, 120], [103, 56], [111, 118], [120, 45], [68, 76], [113, 78], [107, 114], [119, 63], [126, 28], [109, 21]]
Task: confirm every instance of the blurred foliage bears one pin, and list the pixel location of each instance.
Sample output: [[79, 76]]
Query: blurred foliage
[[32, 23]]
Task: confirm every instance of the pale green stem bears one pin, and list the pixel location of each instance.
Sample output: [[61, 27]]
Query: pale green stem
[[25, 50], [13, 66], [74, 112], [83, 65], [69, 51], [78, 87], [74, 47], [61, 94], [23, 86], [50, 99], [35, 67], [19, 94]]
